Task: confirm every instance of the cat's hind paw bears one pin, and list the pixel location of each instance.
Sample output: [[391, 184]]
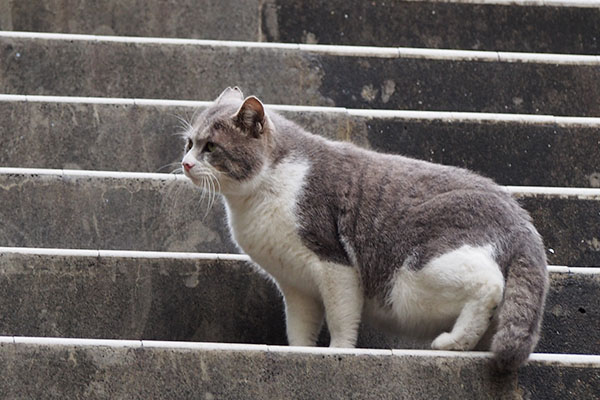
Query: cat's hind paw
[[447, 341]]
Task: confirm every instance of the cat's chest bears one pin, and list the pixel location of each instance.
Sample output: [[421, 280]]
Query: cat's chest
[[265, 225]]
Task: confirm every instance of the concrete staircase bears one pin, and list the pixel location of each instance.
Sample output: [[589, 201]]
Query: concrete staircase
[[115, 284]]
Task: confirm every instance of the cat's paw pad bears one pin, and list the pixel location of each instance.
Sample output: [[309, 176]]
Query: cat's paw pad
[[447, 341]]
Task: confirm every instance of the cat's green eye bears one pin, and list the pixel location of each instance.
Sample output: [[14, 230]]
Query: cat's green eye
[[210, 147], [189, 145]]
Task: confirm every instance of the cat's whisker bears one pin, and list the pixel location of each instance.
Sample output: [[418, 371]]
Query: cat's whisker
[[166, 166], [211, 195], [183, 123]]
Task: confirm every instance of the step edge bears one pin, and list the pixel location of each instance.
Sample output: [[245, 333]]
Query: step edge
[[62, 252], [339, 50], [451, 116], [554, 358], [517, 191]]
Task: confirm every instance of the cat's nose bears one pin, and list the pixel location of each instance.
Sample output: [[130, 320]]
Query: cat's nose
[[187, 166]]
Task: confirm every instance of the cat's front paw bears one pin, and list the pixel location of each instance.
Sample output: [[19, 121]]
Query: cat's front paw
[[447, 341]]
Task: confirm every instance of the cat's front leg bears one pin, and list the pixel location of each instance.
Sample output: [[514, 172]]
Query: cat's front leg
[[304, 317], [343, 299]]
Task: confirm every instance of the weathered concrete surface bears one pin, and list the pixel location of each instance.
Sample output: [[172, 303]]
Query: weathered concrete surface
[[288, 76], [214, 301], [69, 211], [430, 24], [138, 298], [206, 19], [114, 136], [99, 372], [435, 24], [140, 138], [109, 213]]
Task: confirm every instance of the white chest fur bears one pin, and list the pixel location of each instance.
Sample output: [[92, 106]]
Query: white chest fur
[[265, 225]]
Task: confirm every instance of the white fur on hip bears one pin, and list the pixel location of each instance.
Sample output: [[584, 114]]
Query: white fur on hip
[[426, 302]]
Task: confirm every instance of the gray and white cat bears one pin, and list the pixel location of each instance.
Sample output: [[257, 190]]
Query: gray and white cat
[[427, 250]]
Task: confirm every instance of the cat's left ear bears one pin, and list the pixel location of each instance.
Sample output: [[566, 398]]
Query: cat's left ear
[[251, 116]]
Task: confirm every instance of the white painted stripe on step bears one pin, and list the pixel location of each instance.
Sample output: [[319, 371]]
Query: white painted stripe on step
[[564, 359], [518, 191], [353, 51], [568, 359], [49, 341], [560, 269], [449, 116], [200, 256], [124, 254], [205, 346], [91, 174], [176, 255], [39, 251], [564, 192], [534, 3], [328, 350]]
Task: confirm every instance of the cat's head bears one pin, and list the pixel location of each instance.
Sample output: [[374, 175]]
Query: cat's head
[[228, 144]]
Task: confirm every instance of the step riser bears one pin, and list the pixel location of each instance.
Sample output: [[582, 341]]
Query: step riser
[[209, 300], [63, 371], [150, 214], [139, 138], [408, 24], [287, 76], [439, 25], [140, 373]]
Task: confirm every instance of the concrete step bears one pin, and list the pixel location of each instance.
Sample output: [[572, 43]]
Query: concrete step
[[215, 298], [104, 134], [530, 26], [354, 77], [63, 368], [164, 212]]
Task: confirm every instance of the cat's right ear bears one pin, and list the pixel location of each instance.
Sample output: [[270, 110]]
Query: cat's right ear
[[230, 93], [251, 116]]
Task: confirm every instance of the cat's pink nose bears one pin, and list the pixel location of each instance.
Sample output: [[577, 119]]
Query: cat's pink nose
[[187, 166]]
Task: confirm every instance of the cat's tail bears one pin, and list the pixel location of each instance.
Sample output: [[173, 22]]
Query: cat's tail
[[520, 315]]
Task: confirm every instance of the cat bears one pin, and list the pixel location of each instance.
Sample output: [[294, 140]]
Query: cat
[[347, 233]]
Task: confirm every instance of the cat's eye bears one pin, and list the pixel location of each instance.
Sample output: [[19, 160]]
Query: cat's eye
[[189, 145], [210, 147]]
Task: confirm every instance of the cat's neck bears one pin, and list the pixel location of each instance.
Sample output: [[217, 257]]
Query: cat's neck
[[280, 182]]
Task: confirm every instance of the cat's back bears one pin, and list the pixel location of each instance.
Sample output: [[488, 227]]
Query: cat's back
[[374, 210]]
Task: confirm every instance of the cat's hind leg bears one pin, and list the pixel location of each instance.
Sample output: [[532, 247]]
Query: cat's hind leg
[[304, 317], [473, 277]]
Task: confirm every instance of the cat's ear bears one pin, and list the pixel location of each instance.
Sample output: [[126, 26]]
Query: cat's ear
[[251, 116], [230, 93]]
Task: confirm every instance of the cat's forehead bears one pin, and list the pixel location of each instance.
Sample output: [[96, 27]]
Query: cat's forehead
[[206, 119]]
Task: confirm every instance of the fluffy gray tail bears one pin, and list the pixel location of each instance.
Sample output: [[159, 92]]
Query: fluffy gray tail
[[520, 314]]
